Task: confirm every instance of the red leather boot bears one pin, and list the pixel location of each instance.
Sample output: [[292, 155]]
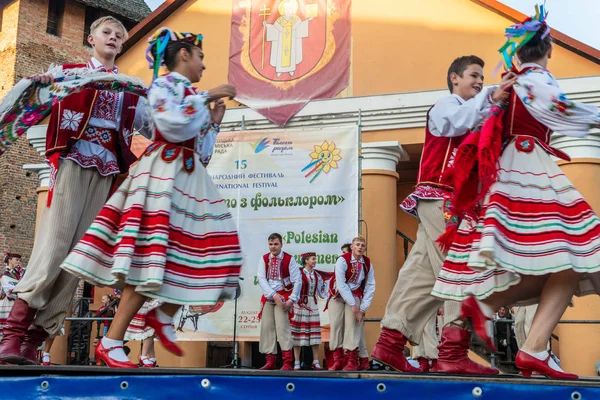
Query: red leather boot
[[352, 361], [271, 362], [338, 359], [363, 364], [34, 337], [453, 354], [389, 351], [528, 364], [288, 360], [20, 318], [423, 364], [471, 312]]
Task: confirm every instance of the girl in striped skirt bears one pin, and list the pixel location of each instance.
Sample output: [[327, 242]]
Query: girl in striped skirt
[[166, 233], [306, 323], [533, 238]]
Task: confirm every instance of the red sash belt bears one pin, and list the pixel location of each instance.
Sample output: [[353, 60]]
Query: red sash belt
[[286, 296]]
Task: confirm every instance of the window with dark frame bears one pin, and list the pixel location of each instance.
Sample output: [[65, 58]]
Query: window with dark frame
[[56, 10]]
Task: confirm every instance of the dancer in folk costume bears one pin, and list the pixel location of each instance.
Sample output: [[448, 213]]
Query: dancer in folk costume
[[87, 146], [411, 306], [12, 274], [533, 237], [280, 280], [351, 292], [166, 233], [138, 329], [306, 324]]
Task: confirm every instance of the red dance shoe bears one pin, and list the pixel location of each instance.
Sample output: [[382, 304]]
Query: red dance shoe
[[471, 312], [389, 351], [102, 357], [153, 322], [423, 364], [529, 364], [317, 367]]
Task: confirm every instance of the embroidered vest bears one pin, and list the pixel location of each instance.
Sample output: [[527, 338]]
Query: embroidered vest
[[284, 272], [438, 155], [519, 122], [69, 120]]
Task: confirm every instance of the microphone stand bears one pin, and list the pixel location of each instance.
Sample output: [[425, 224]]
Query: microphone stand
[[234, 362]]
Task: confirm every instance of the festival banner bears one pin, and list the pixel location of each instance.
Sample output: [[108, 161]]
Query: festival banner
[[284, 53], [302, 184]]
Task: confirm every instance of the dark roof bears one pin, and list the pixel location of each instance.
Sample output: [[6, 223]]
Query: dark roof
[[151, 22], [134, 10]]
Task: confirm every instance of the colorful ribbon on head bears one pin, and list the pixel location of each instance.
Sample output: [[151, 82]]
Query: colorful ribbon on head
[[518, 35], [159, 41]]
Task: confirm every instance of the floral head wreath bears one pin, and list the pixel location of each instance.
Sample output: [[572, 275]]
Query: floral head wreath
[[518, 35], [155, 53]]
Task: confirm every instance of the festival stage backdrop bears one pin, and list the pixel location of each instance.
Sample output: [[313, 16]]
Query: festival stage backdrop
[[284, 53], [302, 184]]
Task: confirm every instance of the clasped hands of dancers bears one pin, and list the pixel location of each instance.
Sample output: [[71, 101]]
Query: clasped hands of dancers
[[499, 223]]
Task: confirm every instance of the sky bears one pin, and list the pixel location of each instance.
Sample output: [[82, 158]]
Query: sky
[[575, 18], [153, 4]]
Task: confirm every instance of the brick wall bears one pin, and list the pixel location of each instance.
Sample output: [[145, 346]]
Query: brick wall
[[26, 49], [37, 49]]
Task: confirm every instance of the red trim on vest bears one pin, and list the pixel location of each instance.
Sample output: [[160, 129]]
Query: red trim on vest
[[358, 292]]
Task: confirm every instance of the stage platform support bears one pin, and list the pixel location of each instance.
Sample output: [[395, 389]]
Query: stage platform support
[[21, 383]]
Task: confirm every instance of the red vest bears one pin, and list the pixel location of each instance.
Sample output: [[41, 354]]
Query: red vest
[[60, 140], [518, 121], [285, 270], [306, 286], [438, 155], [333, 292]]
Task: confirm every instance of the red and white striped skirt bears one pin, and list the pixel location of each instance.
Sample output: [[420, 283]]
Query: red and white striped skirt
[[306, 324], [165, 231], [532, 222]]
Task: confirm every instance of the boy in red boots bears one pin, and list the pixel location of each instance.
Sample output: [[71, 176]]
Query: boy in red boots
[[353, 288], [280, 280], [411, 304], [87, 146]]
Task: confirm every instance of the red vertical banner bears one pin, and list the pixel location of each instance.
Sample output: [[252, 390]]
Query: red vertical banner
[[284, 53]]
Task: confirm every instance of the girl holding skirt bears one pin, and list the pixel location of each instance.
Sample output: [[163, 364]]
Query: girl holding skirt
[[306, 323], [532, 238], [166, 233]]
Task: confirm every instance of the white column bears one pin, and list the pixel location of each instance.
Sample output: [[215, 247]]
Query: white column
[[37, 138], [586, 147], [382, 155]]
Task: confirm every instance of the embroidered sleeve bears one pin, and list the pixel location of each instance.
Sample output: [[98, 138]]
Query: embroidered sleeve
[[143, 119], [450, 118], [322, 286], [296, 280], [369, 291], [542, 96], [178, 118], [340, 282], [8, 285], [206, 143], [262, 280]]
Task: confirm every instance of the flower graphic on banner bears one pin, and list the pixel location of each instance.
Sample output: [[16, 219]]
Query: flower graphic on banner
[[323, 159]]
